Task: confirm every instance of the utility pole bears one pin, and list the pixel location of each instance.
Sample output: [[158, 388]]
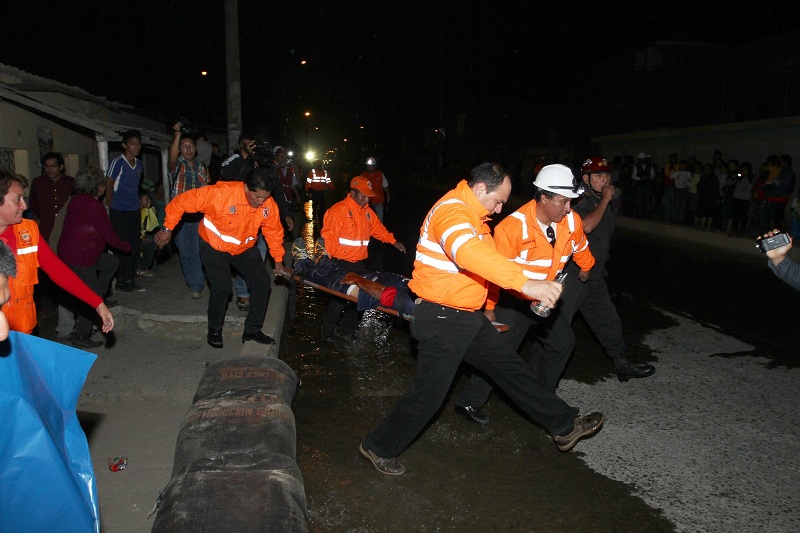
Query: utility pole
[[232, 76]]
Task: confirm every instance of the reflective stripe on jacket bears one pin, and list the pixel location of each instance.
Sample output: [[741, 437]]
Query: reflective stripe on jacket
[[520, 239], [347, 228], [318, 182], [229, 223], [456, 257], [20, 309]]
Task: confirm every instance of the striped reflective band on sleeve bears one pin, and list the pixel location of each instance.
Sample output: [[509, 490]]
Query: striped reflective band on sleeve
[[213, 229], [519, 216], [447, 266], [27, 250]]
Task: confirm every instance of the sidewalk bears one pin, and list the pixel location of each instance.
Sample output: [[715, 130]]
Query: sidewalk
[[166, 299]]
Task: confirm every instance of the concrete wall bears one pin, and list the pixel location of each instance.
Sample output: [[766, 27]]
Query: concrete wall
[[745, 141]]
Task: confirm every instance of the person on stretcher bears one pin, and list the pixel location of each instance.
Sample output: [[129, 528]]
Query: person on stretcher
[[370, 289]]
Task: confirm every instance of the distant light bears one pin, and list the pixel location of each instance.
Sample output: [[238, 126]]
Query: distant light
[[303, 61], [204, 73], [309, 156], [307, 113], [362, 127], [316, 127], [290, 153], [345, 140]]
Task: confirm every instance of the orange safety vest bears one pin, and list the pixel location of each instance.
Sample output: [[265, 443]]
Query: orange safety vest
[[229, 223], [456, 256], [347, 228], [376, 179], [20, 309], [519, 238], [318, 183]]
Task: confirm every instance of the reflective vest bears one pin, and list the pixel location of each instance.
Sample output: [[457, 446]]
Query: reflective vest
[[456, 257], [347, 228], [519, 237], [285, 174], [376, 179], [20, 308], [318, 182], [229, 223]]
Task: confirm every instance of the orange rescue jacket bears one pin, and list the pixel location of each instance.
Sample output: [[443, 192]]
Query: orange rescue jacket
[[376, 179], [20, 309], [229, 223], [519, 238], [456, 256], [347, 228]]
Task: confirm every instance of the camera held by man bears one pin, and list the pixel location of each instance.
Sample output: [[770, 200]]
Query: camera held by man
[[776, 246]]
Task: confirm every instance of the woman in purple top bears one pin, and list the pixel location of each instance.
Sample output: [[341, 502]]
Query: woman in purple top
[[87, 230]]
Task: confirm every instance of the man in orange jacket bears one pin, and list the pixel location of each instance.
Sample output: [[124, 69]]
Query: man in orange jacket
[[346, 229], [233, 214], [540, 236], [455, 263]]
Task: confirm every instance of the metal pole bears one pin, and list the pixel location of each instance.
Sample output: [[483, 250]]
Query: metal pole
[[232, 75]]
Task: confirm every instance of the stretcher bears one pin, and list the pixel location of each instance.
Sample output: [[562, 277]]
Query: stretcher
[[388, 310]]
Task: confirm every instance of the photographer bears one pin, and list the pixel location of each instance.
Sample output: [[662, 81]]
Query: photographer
[[786, 269]]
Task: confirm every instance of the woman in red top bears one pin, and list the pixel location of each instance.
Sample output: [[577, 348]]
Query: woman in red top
[[22, 237]]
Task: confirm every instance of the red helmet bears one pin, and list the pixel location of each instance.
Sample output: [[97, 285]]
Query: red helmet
[[595, 164]]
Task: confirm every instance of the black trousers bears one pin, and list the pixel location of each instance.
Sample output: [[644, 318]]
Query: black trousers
[[339, 308], [128, 227], [446, 337], [250, 266], [98, 278]]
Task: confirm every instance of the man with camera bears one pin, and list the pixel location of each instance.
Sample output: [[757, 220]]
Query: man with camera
[[777, 245]]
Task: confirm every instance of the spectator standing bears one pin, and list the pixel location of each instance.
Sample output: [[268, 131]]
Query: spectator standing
[[49, 192], [643, 176], [346, 229], [681, 179], [777, 188], [668, 188], [380, 186], [188, 173], [740, 199], [147, 248], [123, 178], [86, 232], [290, 188], [707, 198]]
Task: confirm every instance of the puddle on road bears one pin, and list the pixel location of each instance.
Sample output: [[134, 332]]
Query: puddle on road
[[507, 476]]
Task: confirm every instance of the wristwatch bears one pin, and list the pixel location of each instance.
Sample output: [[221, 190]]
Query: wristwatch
[[166, 230]]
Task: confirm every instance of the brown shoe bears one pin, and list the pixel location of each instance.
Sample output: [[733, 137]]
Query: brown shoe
[[582, 427], [390, 467]]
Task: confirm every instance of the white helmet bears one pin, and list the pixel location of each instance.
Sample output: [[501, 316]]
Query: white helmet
[[371, 162], [557, 179]]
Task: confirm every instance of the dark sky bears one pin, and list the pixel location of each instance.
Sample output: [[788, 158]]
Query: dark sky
[[392, 67]]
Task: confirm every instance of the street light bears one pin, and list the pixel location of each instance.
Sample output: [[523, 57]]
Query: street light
[[307, 114]]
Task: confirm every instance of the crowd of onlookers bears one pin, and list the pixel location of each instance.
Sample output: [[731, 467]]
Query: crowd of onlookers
[[725, 196]]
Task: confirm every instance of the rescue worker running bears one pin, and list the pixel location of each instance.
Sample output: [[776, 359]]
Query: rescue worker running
[[455, 262], [541, 236], [233, 214], [346, 230]]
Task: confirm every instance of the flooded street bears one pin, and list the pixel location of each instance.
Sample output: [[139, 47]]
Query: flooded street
[[680, 451]]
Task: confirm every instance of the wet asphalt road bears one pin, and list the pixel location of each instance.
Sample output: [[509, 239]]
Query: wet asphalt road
[[508, 476]]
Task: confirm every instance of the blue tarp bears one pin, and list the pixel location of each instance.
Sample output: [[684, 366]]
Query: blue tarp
[[46, 478]]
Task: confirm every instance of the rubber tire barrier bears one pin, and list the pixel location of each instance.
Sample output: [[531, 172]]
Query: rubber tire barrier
[[247, 376], [240, 493]]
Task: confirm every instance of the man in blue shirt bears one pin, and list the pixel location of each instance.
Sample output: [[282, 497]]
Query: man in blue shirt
[[122, 196]]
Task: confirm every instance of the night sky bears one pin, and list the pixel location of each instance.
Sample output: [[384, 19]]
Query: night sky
[[392, 67]]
